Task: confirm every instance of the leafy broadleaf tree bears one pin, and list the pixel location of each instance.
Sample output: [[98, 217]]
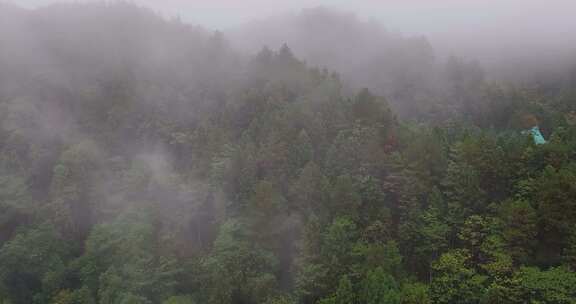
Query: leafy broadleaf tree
[[379, 288], [454, 280], [33, 265]]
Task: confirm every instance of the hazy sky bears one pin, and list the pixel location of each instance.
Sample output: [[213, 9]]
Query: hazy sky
[[407, 15], [522, 23]]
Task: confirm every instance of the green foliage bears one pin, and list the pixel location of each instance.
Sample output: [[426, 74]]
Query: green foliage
[[179, 300], [282, 299], [383, 256], [432, 235], [120, 263], [193, 174], [344, 294], [79, 296], [33, 264], [310, 190], [72, 204], [338, 241], [415, 293], [464, 193], [303, 150], [355, 151], [345, 200], [556, 207], [520, 230], [555, 285], [454, 280], [237, 269], [15, 205], [379, 288]]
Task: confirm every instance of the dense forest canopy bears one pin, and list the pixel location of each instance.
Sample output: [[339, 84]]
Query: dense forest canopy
[[324, 160]]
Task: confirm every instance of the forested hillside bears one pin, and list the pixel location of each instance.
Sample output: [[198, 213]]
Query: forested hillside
[[401, 68], [144, 160]]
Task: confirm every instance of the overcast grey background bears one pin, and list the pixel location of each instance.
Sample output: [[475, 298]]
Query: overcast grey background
[[546, 26]]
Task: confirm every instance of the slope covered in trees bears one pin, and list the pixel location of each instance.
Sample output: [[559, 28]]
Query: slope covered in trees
[[147, 161]]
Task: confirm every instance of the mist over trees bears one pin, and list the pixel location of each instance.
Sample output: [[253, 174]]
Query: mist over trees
[[364, 53], [406, 69], [313, 158]]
